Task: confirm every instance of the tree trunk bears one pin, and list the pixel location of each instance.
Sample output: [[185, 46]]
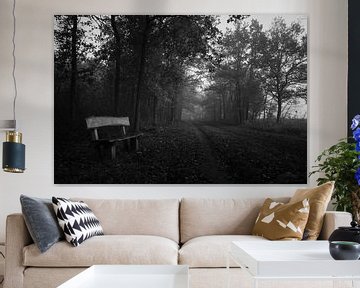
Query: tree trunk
[[176, 102], [224, 104], [154, 108], [279, 107], [220, 107], [117, 66], [169, 112], [173, 105], [74, 72], [247, 105], [241, 105], [179, 104], [265, 103], [214, 109], [172, 113], [238, 102], [141, 69]]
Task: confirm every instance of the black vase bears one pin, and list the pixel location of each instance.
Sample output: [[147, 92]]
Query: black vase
[[351, 234], [344, 250]]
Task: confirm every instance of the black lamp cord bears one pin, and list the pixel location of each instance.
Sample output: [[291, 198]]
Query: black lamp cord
[[14, 59], [14, 78]]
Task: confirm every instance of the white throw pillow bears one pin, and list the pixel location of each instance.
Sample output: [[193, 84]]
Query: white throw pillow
[[77, 220]]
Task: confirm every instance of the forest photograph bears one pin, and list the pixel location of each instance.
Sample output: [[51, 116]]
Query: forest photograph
[[180, 99]]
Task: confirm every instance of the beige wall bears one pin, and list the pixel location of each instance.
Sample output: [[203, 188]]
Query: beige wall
[[327, 90]]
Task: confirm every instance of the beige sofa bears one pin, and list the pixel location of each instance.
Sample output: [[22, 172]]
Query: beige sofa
[[194, 232]]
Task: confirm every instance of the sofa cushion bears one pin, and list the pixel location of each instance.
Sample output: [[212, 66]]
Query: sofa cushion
[[77, 220], [211, 251], [200, 217], [41, 221], [158, 217], [279, 221], [107, 249], [319, 198]]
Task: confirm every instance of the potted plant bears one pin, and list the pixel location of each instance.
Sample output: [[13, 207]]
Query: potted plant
[[341, 163]]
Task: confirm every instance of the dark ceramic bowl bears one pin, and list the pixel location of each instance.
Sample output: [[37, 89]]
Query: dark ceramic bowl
[[344, 250]]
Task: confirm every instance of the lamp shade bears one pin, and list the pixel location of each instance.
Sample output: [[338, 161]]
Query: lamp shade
[[13, 153]]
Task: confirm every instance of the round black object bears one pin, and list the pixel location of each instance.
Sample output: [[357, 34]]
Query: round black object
[[353, 223], [343, 250], [351, 233], [13, 157]]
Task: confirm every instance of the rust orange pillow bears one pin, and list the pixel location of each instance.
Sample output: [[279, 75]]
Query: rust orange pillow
[[279, 221]]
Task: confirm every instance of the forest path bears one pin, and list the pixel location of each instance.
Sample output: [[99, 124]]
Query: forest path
[[212, 167], [239, 152], [256, 156]]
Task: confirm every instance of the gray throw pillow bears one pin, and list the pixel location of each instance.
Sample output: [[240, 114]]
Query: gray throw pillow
[[41, 221]]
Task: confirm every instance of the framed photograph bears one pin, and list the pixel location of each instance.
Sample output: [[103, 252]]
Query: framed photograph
[[180, 99]]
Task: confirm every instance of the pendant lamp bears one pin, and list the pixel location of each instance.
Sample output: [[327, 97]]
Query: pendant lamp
[[13, 150]]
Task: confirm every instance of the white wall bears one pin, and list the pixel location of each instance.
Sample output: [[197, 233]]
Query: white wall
[[327, 90]]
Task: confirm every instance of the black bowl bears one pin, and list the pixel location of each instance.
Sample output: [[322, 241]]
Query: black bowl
[[344, 250]]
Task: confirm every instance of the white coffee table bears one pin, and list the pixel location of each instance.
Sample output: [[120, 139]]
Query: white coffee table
[[292, 260], [131, 276]]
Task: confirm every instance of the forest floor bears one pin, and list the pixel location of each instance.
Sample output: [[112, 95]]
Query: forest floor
[[190, 153]]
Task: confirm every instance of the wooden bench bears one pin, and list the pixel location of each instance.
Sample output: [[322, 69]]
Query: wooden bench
[[112, 140]]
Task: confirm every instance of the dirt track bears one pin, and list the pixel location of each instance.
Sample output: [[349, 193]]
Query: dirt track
[[253, 156]]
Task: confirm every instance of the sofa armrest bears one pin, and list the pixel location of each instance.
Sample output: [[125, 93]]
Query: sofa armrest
[[17, 237], [333, 220]]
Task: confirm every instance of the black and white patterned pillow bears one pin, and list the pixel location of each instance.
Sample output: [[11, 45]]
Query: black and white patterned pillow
[[77, 220]]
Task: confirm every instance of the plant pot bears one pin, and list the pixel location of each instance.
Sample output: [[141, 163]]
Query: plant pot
[[345, 233]]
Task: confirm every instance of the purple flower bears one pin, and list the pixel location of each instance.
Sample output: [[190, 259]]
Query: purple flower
[[357, 176], [355, 126], [355, 122], [356, 134]]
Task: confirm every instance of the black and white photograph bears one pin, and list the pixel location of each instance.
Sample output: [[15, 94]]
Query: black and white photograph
[[180, 99]]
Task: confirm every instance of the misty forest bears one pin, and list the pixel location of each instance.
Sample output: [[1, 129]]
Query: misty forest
[[210, 99]]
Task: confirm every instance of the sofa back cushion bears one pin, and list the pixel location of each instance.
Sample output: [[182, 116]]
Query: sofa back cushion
[[200, 217], [159, 217]]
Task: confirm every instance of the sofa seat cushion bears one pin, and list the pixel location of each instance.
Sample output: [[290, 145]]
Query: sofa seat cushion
[[107, 249], [211, 251]]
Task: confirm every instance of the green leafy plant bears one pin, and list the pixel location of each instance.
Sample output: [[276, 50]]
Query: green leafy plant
[[341, 163]]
